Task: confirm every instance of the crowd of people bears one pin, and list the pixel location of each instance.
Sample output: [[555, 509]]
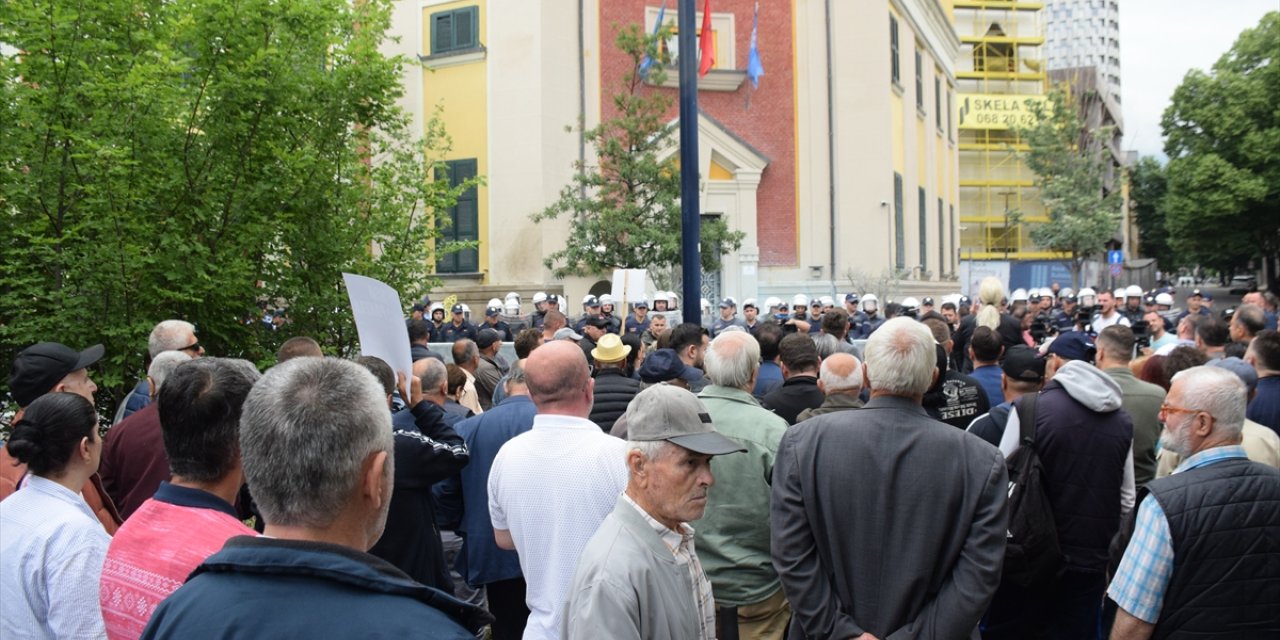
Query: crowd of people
[[1034, 464]]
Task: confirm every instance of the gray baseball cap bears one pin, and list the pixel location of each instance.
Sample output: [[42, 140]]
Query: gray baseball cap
[[666, 412]]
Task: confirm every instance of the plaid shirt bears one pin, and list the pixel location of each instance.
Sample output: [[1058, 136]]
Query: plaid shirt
[[1143, 575], [681, 546]]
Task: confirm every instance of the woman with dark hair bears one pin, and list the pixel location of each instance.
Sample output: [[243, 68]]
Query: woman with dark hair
[[636, 357], [51, 544]]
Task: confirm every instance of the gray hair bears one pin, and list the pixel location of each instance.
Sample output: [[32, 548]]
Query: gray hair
[[836, 383], [516, 375], [164, 364], [651, 449], [434, 374], [826, 344], [901, 357], [168, 336], [732, 358], [1218, 392], [307, 428]]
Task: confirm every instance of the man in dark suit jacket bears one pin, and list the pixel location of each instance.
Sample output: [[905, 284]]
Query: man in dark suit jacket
[[887, 523]]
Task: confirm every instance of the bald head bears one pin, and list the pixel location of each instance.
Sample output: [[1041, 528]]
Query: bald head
[[434, 377], [558, 379], [841, 373]]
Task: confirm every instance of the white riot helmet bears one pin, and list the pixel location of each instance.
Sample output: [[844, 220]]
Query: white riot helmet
[[910, 303], [540, 296], [493, 302], [1088, 297], [606, 299], [1019, 295], [800, 300], [870, 303], [1164, 299], [771, 303], [1133, 291], [513, 307], [512, 295]]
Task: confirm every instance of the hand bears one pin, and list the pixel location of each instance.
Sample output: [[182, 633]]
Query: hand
[[404, 388], [415, 391]]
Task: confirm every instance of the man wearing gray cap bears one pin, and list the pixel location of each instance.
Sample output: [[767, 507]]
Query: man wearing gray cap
[[639, 576]]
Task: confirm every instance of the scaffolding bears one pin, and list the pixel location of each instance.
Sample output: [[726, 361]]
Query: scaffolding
[[1001, 55]]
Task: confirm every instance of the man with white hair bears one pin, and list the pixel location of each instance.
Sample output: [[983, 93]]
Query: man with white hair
[[134, 462], [324, 500], [639, 575], [169, 335], [840, 378], [733, 539], [1188, 570], [885, 521]]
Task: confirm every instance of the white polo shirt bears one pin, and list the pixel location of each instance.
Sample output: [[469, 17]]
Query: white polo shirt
[[551, 487]]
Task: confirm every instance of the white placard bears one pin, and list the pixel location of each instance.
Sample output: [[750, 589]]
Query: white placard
[[628, 285], [380, 322], [973, 272]]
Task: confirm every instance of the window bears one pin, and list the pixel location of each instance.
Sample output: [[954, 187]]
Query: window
[[893, 49], [455, 30], [942, 238], [919, 80], [951, 220], [937, 100], [463, 221], [669, 49], [924, 231], [951, 132], [900, 241]]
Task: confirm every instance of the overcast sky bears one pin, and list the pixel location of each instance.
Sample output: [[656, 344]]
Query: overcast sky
[[1160, 40]]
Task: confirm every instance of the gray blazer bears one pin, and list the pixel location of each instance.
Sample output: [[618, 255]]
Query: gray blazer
[[885, 520]]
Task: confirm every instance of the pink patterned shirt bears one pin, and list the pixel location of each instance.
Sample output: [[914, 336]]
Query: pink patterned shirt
[[156, 549]]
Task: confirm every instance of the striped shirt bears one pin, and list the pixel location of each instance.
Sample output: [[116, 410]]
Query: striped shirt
[[51, 552], [681, 545], [1143, 576]]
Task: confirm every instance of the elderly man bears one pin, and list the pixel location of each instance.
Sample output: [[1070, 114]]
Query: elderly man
[[1188, 571], [550, 488], [734, 537], [840, 380], [639, 575], [1260, 443], [169, 335], [199, 410], [489, 366], [466, 355], [316, 445], [134, 462], [886, 522]]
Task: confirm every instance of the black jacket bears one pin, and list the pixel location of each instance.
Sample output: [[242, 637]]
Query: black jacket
[[614, 391], [796, 394], [420, 352], [423, 457]]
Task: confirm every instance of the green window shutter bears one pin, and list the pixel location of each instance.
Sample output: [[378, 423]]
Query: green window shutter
[[900, 241], [893, 49], [919, 79], [463, 221], [441, 32], [924, 231], [455, 30], [942, 239]]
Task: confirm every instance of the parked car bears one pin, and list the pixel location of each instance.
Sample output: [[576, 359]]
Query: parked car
[[1243, 284]]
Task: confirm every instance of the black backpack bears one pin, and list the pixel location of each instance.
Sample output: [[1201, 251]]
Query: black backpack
[[1032, 555]]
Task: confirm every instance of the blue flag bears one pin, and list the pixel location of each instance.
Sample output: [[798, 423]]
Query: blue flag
[[754, 68], [657, 26]]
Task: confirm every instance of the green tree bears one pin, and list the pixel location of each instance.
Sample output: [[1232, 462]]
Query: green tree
[[1147, 188], [196, 159], [1222, 130], [625, 208], [1070, 165]]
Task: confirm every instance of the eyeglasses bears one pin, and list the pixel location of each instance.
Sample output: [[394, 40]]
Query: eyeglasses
[[1168, 408], [194, 346]]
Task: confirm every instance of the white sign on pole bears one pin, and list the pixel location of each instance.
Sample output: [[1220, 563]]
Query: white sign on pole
[[628, 284], [973, 272], [380, 322]]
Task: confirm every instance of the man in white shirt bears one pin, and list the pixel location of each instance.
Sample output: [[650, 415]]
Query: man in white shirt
[[1108, 315], [551, 487]]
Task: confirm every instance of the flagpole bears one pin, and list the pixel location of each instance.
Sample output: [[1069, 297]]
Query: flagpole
[[691, 261]]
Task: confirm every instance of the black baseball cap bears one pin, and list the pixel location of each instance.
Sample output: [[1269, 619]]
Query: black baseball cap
[[457, 308], [1073, 345], [1023, 363], [39, 367], [486, 337]]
